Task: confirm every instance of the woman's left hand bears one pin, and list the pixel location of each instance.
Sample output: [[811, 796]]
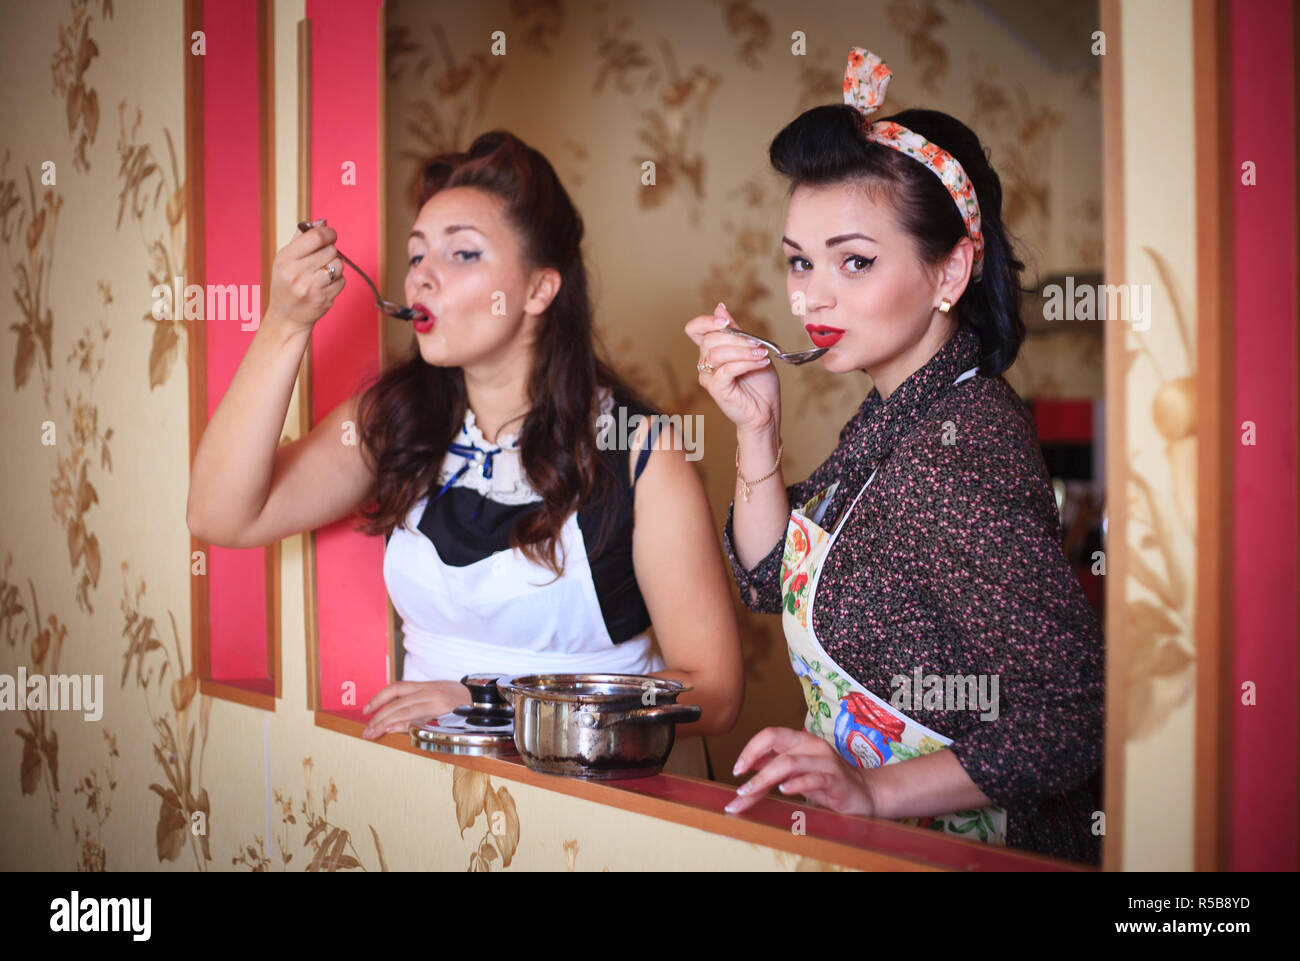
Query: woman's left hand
[[411, 702], [801, 763]]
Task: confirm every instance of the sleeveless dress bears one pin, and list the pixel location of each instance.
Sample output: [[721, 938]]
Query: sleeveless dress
[[470, 603]]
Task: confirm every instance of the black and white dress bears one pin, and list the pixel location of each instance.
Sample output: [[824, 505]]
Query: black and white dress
[[470, 603]]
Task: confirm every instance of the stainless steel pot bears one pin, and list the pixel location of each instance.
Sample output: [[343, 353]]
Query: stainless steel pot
[[596, 726]]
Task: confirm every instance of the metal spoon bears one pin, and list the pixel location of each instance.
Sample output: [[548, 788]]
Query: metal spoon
[[387, 306], [791, 357]]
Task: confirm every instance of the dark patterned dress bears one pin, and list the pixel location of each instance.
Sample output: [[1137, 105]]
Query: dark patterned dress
[[951, 562]]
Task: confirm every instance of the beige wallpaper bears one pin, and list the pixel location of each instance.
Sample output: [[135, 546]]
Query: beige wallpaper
[[95, 552], [1159, 594], [93, 543]]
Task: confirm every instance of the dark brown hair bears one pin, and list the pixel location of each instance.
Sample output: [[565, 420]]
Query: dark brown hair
[[825, 145], [409, 415]]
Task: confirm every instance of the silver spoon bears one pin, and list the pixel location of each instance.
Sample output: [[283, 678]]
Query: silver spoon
[[387, 306], [795, 357]]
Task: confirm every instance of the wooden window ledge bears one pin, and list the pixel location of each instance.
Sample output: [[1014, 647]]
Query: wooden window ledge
[[867, 844]]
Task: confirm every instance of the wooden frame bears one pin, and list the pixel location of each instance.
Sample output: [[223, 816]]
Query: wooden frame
[[697, 803], [395, 655], [194, 258], [1215, 434], [266, 118], [1295, 152], [195, 269], [1112, 123], [304, 373], [343, 589], [641, 798]]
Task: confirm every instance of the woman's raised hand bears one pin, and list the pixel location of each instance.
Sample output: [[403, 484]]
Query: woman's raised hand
[[742, 382], [301, 286]]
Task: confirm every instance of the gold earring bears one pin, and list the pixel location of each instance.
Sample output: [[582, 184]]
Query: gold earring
[[945, 305]]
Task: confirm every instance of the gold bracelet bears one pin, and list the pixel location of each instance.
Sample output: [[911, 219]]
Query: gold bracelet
[[745, 485]]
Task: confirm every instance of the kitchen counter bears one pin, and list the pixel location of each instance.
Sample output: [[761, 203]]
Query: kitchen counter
[[860, 843]]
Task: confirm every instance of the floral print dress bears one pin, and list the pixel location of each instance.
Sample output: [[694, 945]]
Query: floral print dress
[[951, 564]]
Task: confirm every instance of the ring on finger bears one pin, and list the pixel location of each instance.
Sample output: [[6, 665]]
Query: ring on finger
[[705, 368], [330, 269]]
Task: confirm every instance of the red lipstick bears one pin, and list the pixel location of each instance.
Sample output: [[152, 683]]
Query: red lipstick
[[424, 323], [823, 336]]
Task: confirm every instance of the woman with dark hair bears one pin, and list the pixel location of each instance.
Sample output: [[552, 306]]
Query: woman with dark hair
[[930, 612], [525, 534]]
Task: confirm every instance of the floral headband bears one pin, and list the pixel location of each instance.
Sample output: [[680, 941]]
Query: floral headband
[[866, 79]]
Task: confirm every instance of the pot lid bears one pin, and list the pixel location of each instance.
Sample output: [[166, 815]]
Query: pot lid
[[593, 688], [456, 734]]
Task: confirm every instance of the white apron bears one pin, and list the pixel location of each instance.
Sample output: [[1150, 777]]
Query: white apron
[[864, 729]]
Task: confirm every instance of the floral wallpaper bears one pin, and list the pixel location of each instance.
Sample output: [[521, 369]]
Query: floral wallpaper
[[1159, 396], [474, 795], [327, 844], [93, 208], [1161, 562]]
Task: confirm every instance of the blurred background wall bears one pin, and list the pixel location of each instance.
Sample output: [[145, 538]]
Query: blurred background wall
[[701, 89]]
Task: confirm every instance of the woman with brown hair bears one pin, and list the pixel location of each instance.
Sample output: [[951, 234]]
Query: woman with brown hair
[[521, 536]]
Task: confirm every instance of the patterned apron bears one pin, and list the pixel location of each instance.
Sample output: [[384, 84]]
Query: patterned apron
[[866, 730]]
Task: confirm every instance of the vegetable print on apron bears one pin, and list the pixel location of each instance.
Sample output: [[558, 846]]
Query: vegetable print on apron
[[866, 731]]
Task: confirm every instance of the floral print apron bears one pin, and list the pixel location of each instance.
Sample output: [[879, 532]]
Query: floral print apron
[[866, 730]]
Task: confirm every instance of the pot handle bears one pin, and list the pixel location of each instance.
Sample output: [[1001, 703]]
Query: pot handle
[[677, 713], [503, 686]]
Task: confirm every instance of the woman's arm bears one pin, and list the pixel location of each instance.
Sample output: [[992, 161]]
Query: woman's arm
[[802, 763], [988, 552], [924, 786], [760, 582], [758, 521], [683, 580], [748, 392], [245, 489]]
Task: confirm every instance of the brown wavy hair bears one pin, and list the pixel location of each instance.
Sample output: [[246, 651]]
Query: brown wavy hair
[[411, 412]]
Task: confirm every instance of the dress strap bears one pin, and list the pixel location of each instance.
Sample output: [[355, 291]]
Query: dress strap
[[652, 436], [641, 460]]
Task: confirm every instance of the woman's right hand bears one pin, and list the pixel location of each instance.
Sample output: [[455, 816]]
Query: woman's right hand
[[742, 384], [301, 289]]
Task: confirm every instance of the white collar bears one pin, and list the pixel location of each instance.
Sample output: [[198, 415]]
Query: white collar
[[507, 485]]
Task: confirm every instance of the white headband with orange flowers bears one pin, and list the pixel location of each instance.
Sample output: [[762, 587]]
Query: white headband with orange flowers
[[865, 81]]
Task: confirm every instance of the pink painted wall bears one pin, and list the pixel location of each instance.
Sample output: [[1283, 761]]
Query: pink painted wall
[[345, 102], [1264, 835], [233, 252]]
